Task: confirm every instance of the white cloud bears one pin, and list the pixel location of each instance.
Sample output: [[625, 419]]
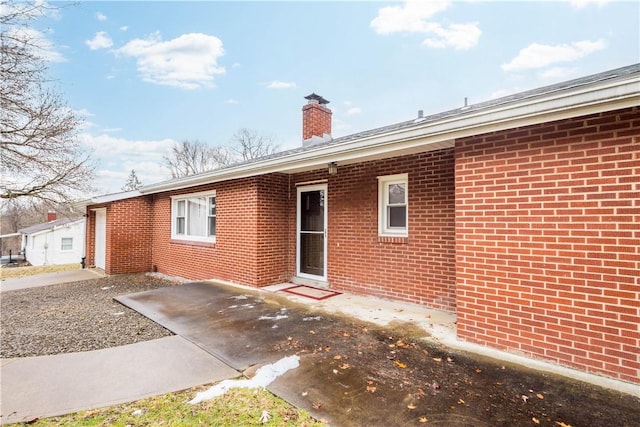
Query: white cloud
[[83, 112], [101, 16], [353, 111], [111, 130], [558, 73], [414, 16], [539, 55], [580, 4], [187, 62], [458, 36], [276, 84], [100, 41], [232, 101], [124, 28], [411, 17], [117, 156]]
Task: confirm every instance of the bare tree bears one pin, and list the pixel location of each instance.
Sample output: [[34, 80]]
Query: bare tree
[[191, 157], [133, 183], [249, 144], [40, 155]]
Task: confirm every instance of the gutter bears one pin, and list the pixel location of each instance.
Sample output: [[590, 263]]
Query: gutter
[[605, 95]]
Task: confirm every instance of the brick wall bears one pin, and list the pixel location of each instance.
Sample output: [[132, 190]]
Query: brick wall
[[420, 268], [548, 242], [129, 236], [273, 222], [250, 246], [316, 120]]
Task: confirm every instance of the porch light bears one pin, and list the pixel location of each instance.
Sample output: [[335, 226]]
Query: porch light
[[333, 168]]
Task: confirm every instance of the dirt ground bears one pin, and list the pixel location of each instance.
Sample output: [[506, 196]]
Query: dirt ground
[[357, 374]]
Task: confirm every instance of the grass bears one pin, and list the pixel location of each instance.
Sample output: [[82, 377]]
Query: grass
[[11, 272], [238, 407]]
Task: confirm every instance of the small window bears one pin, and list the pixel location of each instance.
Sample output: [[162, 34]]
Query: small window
[[212, 216], [66, 244], [393, 209], [194, 217]]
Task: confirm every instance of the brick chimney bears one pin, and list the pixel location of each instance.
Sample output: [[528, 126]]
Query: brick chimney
[[316, 120], [51, 216]]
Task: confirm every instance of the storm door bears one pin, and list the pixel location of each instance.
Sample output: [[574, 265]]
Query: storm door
[[311, 259]]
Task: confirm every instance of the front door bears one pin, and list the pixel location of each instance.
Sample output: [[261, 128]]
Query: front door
[[311, 259], [100, 238]]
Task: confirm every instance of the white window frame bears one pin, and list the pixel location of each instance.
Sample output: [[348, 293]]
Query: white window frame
[[207, 195], [62, 239], [383, 202]]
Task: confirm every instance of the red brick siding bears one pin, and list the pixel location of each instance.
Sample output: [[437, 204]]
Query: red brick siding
[[316, 120], [90, 234], [129, 236], [548, 241], [420, 268], [273, 222], [251, 240]]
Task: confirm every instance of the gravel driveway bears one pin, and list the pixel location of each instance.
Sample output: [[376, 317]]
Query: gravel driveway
[[71, 317]]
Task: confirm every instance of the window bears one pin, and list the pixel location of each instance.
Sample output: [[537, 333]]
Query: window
[[393, 205], [194, 217], [66, 244]]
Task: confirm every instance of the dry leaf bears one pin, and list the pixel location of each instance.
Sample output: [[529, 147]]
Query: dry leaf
[[400, 364], [346, 334], [335, 371], [411, 405], [535, 420], [449, 359], [539, 396], [312, 332], [524, 398], [337, 357], [345, 366], [423, 419], [478, 370], [437, 359], [561, 424], [392, 345], [460, 402], [304, 393], [371, 388]]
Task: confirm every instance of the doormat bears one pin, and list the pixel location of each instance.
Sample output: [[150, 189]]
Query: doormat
[[309, 292]]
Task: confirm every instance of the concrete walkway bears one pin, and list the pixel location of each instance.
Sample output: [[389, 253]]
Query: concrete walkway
[[14, 284], [38, 387]]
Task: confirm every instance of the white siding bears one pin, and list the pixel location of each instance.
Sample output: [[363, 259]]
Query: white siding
[[45, 247]]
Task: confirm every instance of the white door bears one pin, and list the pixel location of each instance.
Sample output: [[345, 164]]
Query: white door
[[311, 259], [101, 238]]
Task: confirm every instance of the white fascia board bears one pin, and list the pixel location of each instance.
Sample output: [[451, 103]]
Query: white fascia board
[[106, 198], [565, 103]]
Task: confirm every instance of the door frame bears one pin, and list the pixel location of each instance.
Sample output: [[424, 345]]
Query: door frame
[[100, 262], [299, 191]]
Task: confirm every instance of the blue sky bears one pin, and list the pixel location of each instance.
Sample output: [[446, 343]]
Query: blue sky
[[147, 74]]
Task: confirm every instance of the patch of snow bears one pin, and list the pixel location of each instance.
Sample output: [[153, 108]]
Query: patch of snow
[[233, 306], [239, 297], [264, 376], [107, 287], [120, 313], [308, 319], [248, 305], [278, 317]]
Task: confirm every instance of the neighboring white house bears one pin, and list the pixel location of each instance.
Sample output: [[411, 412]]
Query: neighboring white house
[[55, 242]]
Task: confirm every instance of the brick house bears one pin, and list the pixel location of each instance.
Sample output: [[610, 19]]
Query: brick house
[[520, 214]]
